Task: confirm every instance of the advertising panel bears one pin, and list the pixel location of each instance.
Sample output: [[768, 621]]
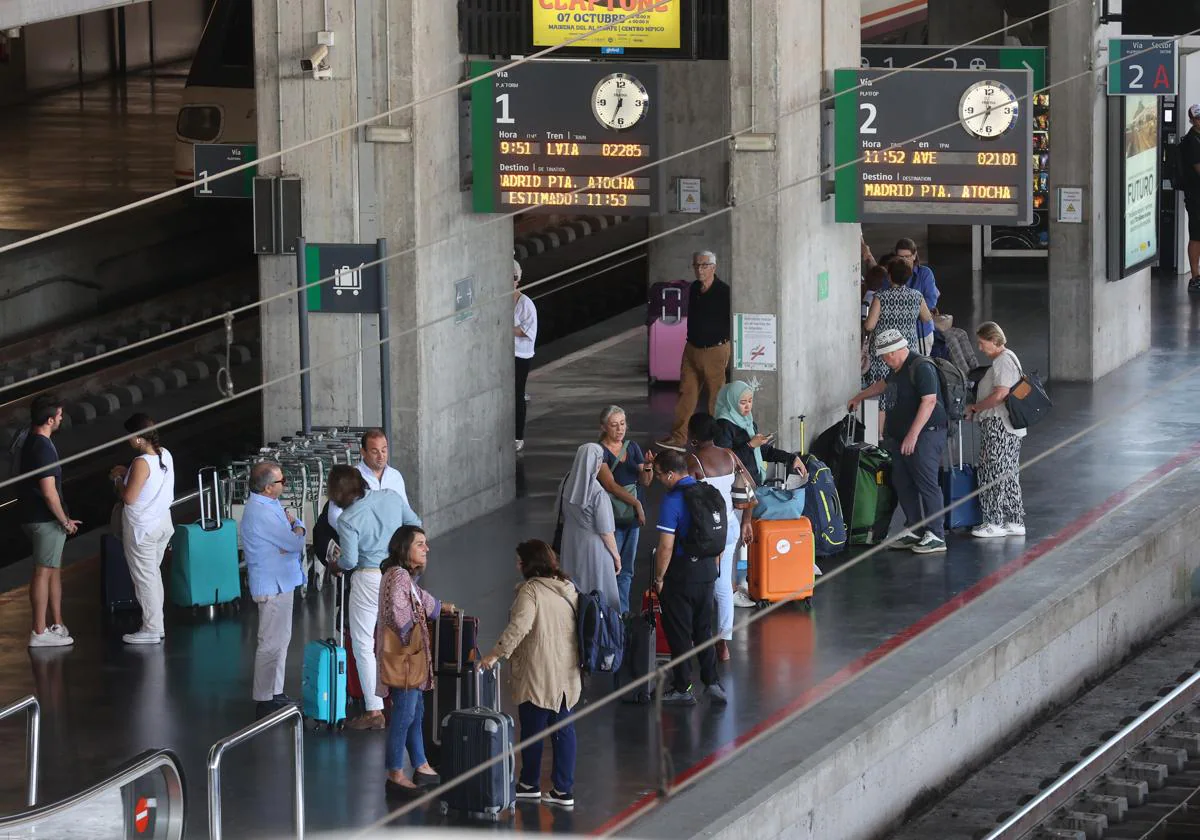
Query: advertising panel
[[1140, 151], [640, 24]]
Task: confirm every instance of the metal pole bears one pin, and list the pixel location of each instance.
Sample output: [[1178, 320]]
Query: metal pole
[[385, 347], [302, 310], [214, 799], [217, 752], [298, 758], [34, 755]]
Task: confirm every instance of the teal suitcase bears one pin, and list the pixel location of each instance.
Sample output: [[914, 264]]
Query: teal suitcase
[[204, 559]]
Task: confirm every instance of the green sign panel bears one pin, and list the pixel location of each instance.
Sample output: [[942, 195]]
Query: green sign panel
[[822, 285], [890, 56], [214, 158]]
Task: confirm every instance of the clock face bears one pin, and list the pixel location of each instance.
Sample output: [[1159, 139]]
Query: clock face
[[988, 110], [620, 101]]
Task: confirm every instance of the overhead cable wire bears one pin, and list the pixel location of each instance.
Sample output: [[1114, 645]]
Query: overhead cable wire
[[495, 218]]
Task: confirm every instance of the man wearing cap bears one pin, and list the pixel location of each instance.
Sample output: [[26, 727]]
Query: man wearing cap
[[915, 435], [525, 324], [1189, 164]]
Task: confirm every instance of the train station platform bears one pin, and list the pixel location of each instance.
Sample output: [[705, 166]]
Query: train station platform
[[103, 702], [74, 153]]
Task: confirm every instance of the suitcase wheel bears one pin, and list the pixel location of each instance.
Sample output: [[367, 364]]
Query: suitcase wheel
[[763, 604]]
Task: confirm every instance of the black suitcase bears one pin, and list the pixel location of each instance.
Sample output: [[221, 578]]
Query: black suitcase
[[452, 690], [473, 737], [116, 586], [640, 658]]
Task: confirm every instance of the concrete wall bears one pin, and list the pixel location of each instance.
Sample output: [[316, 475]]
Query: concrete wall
[[451, 378], [783, 234], [1097, 325], [1139, 569], [693, 115]]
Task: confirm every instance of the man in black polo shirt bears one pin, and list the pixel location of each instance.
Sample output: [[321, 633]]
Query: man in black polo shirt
[[915, 436], [1189, 165], [706, 354]]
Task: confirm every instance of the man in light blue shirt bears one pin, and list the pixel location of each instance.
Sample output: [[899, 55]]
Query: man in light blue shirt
[[273, 544], [368, 520]]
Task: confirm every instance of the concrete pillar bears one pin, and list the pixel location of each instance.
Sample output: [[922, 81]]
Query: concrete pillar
[[452, 414], [1095, 325], [783, 235], [694, 113]]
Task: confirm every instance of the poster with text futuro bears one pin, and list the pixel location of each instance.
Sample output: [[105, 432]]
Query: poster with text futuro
[[1141, 181]]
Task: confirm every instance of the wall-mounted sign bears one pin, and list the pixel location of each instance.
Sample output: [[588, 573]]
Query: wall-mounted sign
[[641, 28], [754, 342], [687, 195], [1133, 185], [548, 136], [214, 158], [944, 146], [971, 57], [1140, 65], [355, 285], [1070, 205]]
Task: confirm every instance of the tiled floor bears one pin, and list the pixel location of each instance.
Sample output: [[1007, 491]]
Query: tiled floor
[[104, 702]]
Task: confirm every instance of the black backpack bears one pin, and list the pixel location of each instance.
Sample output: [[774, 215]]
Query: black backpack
[[952, 383], [705, 537]]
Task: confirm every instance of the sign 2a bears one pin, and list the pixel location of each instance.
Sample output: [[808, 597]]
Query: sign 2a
[[1143, 66]]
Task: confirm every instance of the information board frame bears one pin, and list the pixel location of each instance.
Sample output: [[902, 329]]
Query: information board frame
[[540, 138], [928, 142], [1132, 61], [618, 49]]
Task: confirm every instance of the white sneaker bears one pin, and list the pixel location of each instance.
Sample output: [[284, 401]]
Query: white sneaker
[[519, 444], [48, 638], [1014, 529], [742, 599], [142, 637], [59, 630], [989, 531]]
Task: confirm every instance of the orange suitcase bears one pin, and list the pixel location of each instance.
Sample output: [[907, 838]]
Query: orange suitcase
[[782, 560]]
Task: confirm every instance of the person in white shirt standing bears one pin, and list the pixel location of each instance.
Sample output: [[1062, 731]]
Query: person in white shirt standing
[[375, 469], [146, 489], [525, 324]]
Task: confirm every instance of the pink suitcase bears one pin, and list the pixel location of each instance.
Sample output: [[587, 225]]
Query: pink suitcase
[[666, 349]]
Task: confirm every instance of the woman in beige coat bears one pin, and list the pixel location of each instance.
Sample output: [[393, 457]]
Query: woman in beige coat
[[540, 640]]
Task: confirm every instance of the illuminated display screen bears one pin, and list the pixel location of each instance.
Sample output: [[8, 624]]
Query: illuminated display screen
[[549, 135], [949, 146]]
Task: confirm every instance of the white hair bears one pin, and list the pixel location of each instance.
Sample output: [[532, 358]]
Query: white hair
[[708, 254], [516, 269]]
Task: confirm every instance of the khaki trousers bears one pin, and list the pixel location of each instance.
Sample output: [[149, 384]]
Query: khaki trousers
[[702, 368]]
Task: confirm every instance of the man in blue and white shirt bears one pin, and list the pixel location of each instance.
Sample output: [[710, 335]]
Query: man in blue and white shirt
[[273, 544]]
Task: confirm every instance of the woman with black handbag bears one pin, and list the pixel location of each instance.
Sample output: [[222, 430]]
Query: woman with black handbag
[[999, 439]]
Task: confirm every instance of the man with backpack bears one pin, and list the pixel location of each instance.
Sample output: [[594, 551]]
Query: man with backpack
[[915, 435], [692, 526]]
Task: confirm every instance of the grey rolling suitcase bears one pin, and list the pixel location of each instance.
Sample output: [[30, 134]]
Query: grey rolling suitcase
[[470, 737]]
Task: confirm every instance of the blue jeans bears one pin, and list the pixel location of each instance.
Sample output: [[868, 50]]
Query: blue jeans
[[534, 719], [627, 543], [404, 731]]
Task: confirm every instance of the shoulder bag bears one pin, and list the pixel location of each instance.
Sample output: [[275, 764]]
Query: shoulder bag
[[1027, 401], [403, 665], [624, 514]]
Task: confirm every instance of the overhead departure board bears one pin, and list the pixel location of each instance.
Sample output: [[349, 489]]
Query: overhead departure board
[[558, 137], [943, 146]]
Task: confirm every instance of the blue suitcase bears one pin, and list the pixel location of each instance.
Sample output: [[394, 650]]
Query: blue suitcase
[[471, 737], [204, 558], [958, 482], [323, 680]]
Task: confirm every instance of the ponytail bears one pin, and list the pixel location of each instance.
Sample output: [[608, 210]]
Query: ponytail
[[142, 426]]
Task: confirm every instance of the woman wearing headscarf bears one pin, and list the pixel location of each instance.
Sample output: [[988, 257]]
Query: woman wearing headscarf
[[589, 553], [736, 430]]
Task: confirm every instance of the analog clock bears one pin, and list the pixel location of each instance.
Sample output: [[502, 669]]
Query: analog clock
[[620, 101], [988, 110]]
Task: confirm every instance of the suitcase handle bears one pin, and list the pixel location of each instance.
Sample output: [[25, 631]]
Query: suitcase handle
[[210, 498], [477, 675]]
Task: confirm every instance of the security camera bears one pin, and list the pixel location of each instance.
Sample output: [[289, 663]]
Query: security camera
[[315, 62]]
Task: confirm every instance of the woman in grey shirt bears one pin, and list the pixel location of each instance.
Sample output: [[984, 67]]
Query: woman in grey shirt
[[589, 547], [999, 441]]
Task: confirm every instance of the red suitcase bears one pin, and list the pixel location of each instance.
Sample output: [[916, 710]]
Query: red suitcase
[[650, 602]]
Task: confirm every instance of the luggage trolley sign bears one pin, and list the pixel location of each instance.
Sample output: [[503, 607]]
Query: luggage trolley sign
[[971, 164], [355, 285], [557, 137]]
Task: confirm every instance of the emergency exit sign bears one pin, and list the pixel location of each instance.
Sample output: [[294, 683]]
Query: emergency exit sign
[[1142, 66]]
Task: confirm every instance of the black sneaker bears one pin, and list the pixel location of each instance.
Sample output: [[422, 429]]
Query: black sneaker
[[907, 540], [525, 791], [1194, 285], [929, 544], [557, 797], [679, 698]]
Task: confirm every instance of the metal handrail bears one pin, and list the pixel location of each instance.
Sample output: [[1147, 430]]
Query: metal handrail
[[195, 494], [291, 711], [137, 768], [1085, 772], [33, 728]]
